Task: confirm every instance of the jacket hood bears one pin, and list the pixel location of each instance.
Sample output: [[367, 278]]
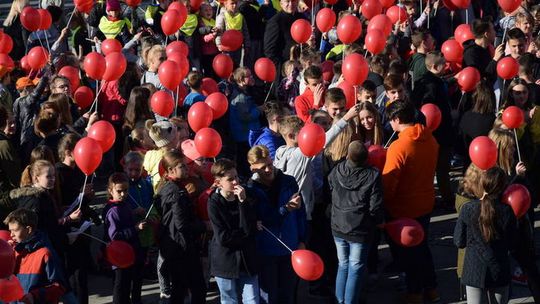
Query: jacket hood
[[254, 135], [35, 242], [418, 132], [351, 177], [26, 191]]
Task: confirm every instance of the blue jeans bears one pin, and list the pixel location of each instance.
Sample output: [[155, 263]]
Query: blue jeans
[[248, 285], [351, 269]]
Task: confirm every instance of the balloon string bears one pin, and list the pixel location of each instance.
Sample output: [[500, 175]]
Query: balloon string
[[388, 142], [47, 40], [467, 16], [269, 91], [94, 238], [460, 100], [176, 101], [96, 98], [267, 230], [517, 145], [148, 213], [80, 198], [428, 15]]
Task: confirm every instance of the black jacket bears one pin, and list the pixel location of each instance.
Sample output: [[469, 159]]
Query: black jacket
[[233, 246], [486, 265], [277, 36], [474, 124], [432, 89], [480, 58], [254, 20], [10, 174], [356, 201], [178, 221]]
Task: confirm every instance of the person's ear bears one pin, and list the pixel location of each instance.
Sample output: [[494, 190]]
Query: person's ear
[[30, 229]]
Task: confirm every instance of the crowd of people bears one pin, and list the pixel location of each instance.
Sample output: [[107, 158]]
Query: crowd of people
[[236, 216]]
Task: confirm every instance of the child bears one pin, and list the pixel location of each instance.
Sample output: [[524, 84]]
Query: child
[[334, 102], [232, 250], [27, 105], [367, 92], [308, 58], [369, 127], [198, 166], [207, 33], [180, 230], [163, 134], [113, 26], [422, 43], [38, 268], [269, 136], [120, 225], [152, 59], [313, 96], [231, 19], [289, 86], [194, 81], [487, 228]]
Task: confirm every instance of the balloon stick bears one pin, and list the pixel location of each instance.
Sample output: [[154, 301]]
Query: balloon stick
[[467, 16], [96, 98], [176, 102], [148, 213], [267, 230], [428, 15], [80, 198], [47, 40], [94, 238], [71, 17], [312, 12], [388, 142], [517, 145], [269, 91]]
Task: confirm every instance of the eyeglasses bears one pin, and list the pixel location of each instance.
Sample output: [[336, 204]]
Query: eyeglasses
[[63, 86]]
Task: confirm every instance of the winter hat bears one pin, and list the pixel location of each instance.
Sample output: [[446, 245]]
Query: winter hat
[[24, 82], [189, 150], [162, 133], [113, 5]]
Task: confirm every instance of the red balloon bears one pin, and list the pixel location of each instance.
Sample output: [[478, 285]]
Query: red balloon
[[170, 22], [209, 86], [84, 6], [513, 117], [377, 156], [94, 65], [231, 40], [110, 45], [71, 73], [45, 19], [88, 155], [6, 44], [115, 66], [84, 96], [461, 4], [195, 5], [450, 5], [355, 69], [182, 62], [181, 9], [162, 103], [301, 31], [483, 152], [30, 18], [181, 91], [433, 115], [348, 90], [507, 68], [463, 33], [325, 20], [375, 42], [37, 57], [5, 235], [177, 46], [169, 74], [7, 259], [208, 142], [218, 103], [349, 29], [223, 65], [387, 3], [405, 232], [382, 23], [133, 3], [327, 67], [7, 62], [331, 2], [509, 5], [311, 139], [120, 254], [24, 64], [468, 79], [103, 133], [201, 208], [10, 289], [199, 116], [519, 198], [307, 264], [396, 13], [452, 51], [265, 69], [371, 8]]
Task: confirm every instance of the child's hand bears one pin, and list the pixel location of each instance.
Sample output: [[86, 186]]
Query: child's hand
[[141, 225], [240, 192], [353, 112], [28, 298], [294, 203], [521, 169], [75, 215], [499, 51], [318, 95]]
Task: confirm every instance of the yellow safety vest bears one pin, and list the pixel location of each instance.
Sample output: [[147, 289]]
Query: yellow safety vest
[[209, 22], [336, 50], [256, 7], [234, 23], [276, 5], [190, 25], [111, 29], [150, 11]]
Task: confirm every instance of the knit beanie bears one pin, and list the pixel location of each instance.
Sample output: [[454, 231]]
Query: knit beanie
[[113, 5], [162, 133]]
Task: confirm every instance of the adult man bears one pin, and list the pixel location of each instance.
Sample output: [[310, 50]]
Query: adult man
[[408, 192], [476, 52]]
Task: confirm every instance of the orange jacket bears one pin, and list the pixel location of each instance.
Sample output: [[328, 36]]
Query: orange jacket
[[408, 173]]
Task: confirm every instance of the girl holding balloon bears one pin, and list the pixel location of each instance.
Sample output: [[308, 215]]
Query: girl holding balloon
[[369, 125]]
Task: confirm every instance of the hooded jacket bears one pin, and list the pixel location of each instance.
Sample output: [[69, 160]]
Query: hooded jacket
[[39, 270], [408, 173], [267, 138], [356, 201]]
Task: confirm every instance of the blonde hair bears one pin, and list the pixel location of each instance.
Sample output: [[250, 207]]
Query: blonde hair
[[290, 124], [506, 147], [16, 8], [152, 51], [469, 185], [257, 153], [37, 167], [337, 150], [377, 128]]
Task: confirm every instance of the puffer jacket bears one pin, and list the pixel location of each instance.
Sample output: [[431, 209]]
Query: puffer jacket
[[26, 108], [356, 201], [267, 138]]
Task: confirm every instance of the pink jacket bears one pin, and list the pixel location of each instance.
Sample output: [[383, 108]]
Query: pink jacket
[[111, 104]]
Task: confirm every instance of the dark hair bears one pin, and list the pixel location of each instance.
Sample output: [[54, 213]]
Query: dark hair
[[3, 117], [526, 64], [493, 183], [56, 13], [117, 178], [516, 34], [379, 64], [312, 72], [137, 108], [357, 153], [334, 95], [23, 217], [221, 166], [369, 85], [273, 109], [418, 36], [194, 80], [47, 122], [398, 67], [481, 26], [403, 110], [509, 98], [67, 143], [393, 81], [484, 98]]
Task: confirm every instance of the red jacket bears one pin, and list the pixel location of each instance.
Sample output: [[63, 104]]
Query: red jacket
[[111, 104], [305, 102]]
